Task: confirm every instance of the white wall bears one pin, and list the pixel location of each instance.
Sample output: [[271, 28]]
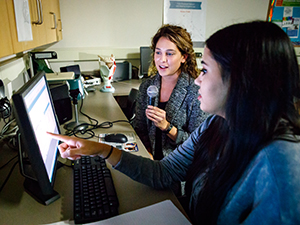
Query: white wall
[[109, 23], [132, 23], [92, 27], [222, 13], [105, 27]]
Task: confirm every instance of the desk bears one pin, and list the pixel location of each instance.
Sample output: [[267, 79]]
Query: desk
[[17, 207], [123, 87]]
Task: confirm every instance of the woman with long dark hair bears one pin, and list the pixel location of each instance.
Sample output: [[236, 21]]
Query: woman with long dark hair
[[242, 165]]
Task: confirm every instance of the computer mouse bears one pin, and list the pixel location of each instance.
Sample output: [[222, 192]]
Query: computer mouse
[[118, 138]]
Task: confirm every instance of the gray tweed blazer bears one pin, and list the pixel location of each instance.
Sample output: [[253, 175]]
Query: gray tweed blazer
[[182, 111]]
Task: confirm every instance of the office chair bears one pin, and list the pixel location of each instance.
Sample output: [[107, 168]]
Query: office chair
[[129, 111]]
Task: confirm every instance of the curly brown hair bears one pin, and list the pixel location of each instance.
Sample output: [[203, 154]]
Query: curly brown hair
[[182, 39]]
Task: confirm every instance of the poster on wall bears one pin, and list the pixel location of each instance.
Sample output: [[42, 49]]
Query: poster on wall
[[286, 14], [188, 14]]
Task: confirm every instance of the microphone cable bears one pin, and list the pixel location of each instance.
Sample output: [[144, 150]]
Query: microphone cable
[[88, 132]]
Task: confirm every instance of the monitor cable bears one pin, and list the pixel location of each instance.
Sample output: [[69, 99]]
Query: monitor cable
[[8, 134], [10, 172], [89, 131]]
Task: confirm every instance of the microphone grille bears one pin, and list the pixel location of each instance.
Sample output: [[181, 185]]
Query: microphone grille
[[152, 91]]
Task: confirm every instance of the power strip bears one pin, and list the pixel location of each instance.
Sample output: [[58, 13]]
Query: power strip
[[92, 82]]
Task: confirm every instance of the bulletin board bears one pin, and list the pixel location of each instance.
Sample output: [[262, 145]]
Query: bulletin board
[[286, 14]]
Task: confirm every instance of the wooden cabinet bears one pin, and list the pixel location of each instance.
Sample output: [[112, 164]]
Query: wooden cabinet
[[59, 29], [6, 47], [52, 21], [44, 15]]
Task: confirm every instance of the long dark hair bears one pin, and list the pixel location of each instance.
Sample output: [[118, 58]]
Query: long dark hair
[[259, 62], [182, 39]]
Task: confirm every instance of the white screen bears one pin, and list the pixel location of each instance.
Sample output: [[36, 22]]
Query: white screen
[[42, 118]]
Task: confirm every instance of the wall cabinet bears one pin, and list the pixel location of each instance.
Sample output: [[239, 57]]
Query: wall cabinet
[[44, 15]]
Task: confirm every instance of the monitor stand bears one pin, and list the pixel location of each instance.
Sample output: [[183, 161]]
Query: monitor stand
[[31, 186], [33, 189]]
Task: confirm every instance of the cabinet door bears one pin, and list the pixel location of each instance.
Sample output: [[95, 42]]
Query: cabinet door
[[6, 47], [59, 22], [49, 20], [40, 21], [55, 25], [20, 46], [47, 30]]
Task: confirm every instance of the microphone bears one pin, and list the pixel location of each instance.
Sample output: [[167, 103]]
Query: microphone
[[152, 92]]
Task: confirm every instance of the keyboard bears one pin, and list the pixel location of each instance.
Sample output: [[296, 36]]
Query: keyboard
[[95, 196]]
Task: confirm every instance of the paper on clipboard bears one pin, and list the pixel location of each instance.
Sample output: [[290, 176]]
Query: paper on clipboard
[[129, 146]]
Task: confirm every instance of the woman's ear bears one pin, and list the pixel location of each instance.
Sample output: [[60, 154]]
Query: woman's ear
[[184, 58]]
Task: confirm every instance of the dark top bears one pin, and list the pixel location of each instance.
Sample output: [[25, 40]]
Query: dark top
[[158, 154]]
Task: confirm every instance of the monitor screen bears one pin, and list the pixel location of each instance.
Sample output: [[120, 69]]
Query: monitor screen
[[35, 115], [145, 60], [123, 71], [71, 68]]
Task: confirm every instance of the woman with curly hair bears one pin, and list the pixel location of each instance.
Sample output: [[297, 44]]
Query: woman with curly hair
[[176, 112]]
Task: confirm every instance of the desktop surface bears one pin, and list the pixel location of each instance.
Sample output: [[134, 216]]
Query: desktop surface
[[123, 87], [17, 207]]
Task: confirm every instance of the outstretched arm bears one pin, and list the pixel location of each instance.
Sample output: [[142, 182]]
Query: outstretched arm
[[73, 148]]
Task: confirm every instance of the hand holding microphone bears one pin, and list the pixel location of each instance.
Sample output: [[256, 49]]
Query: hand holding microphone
[[152, 92], [158, 116]]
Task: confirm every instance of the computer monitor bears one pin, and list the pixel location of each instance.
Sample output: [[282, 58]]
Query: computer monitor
[[35, 115], [145, 60], [71, 68], [123, 71]]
